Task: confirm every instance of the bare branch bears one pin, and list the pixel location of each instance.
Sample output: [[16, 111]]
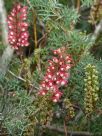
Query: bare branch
[[3, 21], [95, 35], [8, 52], [5, 60], [97, 31], [61, 130]]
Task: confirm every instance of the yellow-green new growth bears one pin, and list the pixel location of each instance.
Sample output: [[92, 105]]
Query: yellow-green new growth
[[69, 107], [91, 88]]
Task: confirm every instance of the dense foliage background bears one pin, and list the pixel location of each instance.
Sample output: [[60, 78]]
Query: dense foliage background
[[54, 24]]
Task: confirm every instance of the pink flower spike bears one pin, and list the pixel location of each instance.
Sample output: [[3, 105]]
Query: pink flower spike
[[66, 76], [57, 74], [58, 82], [55, 59], [50, 63], [55, 88], [58, 94], [61, 62], [26, 44], [13, 14], [59, 50], [49, 75], [24, 24], [68, 66], [62, 68], [50, 83], [64, 82], [18, 7], [46, 79], [18, 28], [55, 99], [24, 9], [42, 92], [43, 85], [55, 52], [62, 74], [10, 18], [48, 70], [68, 58]]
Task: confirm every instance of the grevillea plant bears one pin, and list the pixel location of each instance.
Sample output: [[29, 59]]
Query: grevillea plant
[[57, 74], [91, 88], [18, 27]]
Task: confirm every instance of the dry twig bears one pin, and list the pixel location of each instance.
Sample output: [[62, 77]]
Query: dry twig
[[22, 79]]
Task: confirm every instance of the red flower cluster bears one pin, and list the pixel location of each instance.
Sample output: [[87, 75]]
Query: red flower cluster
[[18, 28], [57, 74]]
